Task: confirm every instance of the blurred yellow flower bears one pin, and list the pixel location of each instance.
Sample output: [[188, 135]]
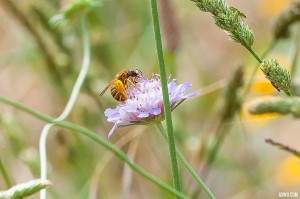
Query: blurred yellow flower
[[288, 172], [261, 86], [271, 8], [258, 120]]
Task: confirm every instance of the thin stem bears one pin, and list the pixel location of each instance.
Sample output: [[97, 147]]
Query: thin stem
[[119, 153], [283, 147], [249, 49], [5, 175], [186, 164], [70, 104], [164, 84], [253, 53], [252, 75]]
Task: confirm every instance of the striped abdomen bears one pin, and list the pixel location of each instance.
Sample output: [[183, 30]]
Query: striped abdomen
[[118, 91]]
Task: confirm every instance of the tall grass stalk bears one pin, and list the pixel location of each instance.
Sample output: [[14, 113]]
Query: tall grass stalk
[[164, 84]]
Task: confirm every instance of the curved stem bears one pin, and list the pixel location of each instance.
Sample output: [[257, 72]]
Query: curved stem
[[186, 164], [164, 84], [70, 104], [119, 153]]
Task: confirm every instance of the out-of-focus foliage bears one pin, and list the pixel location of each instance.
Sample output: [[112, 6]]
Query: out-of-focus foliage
[[40, 63]]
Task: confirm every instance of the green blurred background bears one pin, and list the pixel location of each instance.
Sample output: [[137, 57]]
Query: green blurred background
[[39, 65]]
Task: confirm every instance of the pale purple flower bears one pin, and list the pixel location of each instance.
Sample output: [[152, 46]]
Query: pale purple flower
[[145, 103]]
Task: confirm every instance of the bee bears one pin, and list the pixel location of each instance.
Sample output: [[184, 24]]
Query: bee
[[119, 85]]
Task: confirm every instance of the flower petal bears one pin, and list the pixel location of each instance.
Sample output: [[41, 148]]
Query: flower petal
[[143, 115], [155, 111], [172, 87], [192, 95], [112, 130]]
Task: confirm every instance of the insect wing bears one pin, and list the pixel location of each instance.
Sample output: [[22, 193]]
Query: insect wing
[[107, 87]]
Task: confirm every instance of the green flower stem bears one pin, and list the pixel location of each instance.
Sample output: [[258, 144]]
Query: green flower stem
[[70, 104], [119, 153], [5, 175], [186, 164], [164, 84], [253, 53]]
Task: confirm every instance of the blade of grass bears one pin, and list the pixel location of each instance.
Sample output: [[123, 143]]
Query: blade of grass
[[164, 84], [187, 165], [119, 153]]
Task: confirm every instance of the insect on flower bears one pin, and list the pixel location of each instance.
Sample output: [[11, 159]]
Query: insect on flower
[[119, 85], [144, 105]]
